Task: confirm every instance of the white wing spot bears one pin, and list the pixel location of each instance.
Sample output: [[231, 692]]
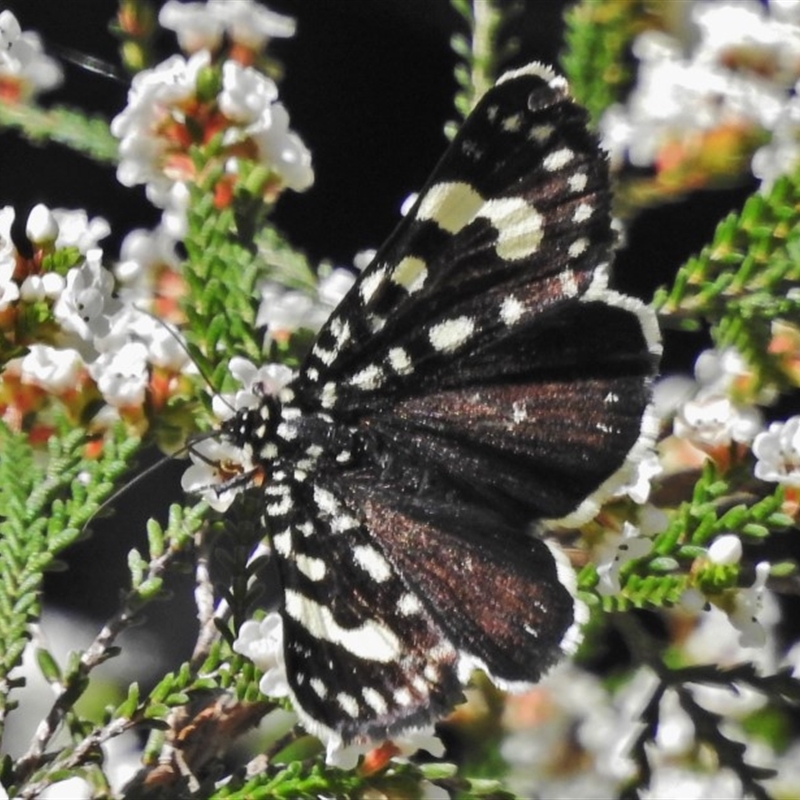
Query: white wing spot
[[512, 123], [286, 431], [409, 604], [400, 361], [558, 159], [541, 133], [282, 542], [375, 322], [611, 397], [348, 703], [283, 506], [420, 684], [313, 568], [569, 286], [371, 641], [578, 247], [344, 522], [312, 373], [372, 562], [326, 501], [370, 284], [451, 205], [328, 397], [374, 700], [577, 182], [511, 310], [327, 357], [582, 213], [286, 395], [519, 412], [269, 451], [410, 273], [520, 227], [340, 330], [402, 697], [369, 378], [319, 688], [452, 333]]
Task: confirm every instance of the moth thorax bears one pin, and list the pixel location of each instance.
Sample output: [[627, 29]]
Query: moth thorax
[[254, 426]]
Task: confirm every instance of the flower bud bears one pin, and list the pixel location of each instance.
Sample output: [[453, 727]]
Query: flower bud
[[41, 227]]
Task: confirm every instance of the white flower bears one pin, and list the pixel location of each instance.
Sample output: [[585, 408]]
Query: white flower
[[7, 249], [675, 733], [285, 310], [153, 100], [251, 24], [9, 291], [262, 643], [748, 606], [257, 382], [175, 202], [201, 25], [715, 420], [778, 452], [246, 93], [22, 60], [50, 368], [282, 149], [333, 287], [41, 226], [616, 550], [725, 550], [38, 287], [86, 305], [196, 27], [143, 254], [687, 88], [640, 480], [69, 789], [122, 375], [718, 370], [670, 782], [408, 743], [211, 472], [75, 229]]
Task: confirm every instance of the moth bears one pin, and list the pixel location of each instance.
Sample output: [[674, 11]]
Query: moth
[[480, 376]]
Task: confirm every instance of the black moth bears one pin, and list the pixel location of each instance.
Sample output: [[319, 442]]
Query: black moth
[[480, 375]]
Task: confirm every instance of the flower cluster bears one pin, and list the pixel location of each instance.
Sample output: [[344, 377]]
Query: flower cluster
[[85, 337], [211, 113], [201, 26], [25, 69], [710, 94]]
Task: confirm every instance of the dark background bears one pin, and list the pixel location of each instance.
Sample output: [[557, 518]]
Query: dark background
[[368, 85]]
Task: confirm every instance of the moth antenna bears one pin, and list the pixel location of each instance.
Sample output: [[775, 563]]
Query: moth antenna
[[131, 483], [90, 63]]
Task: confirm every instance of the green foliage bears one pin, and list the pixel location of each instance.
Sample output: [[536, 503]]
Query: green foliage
[[747, 278], [597, 37], [74, 129], [481, 51], [43, 510], [678, 558]]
